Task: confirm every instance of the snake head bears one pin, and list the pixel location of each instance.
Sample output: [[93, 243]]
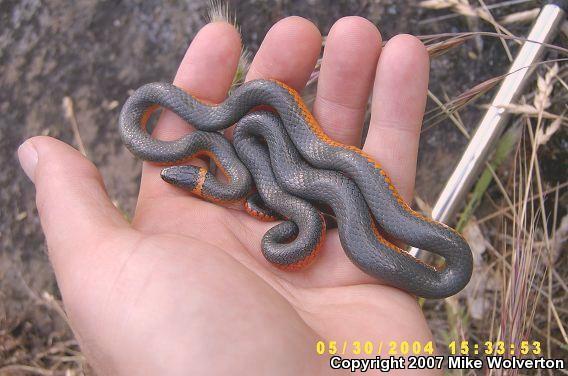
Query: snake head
[[186, 177]]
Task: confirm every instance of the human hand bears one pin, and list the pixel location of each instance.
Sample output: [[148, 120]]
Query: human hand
[[184, 288]]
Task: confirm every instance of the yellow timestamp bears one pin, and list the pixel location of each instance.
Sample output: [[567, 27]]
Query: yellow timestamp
[[375, 348], [494, 348]]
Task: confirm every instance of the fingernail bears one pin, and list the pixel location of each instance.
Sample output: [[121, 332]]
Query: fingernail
[[27, 154]]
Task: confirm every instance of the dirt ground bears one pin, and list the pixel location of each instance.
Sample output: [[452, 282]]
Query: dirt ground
[[96, 51]]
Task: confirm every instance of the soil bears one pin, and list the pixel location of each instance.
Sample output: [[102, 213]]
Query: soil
[[95, 52]]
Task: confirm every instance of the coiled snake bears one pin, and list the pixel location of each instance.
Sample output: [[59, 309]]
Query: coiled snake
[[296, 167]]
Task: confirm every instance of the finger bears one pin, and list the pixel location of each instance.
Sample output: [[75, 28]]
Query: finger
[[348, 67], [288, 53], [206, 71], [74, 208], [399, 98]]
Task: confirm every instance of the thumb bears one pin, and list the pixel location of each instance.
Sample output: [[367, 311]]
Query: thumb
[[74, 208]]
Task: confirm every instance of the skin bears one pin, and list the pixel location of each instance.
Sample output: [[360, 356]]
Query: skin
[[184, 287]]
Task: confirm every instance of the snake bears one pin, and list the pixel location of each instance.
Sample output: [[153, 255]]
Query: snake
[[295, 167]]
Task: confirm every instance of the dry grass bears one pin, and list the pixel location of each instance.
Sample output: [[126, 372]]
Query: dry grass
[[517, 227], [25, 351], [518, 292]]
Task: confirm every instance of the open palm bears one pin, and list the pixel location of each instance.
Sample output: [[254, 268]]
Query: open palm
[[184, 288]]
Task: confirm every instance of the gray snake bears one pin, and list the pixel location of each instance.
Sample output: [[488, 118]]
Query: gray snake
[[295, 168]]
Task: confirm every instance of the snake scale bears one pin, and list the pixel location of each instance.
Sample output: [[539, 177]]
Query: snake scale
[[296, 169]]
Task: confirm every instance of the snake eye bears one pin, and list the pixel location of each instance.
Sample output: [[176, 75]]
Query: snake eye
[[186, 177]]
